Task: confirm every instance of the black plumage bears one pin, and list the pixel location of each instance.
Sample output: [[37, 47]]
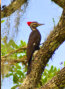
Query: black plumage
[[33, 43]]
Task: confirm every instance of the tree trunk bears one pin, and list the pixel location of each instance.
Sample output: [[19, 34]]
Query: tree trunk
[[57, 82], [54, 40], [15, 5]]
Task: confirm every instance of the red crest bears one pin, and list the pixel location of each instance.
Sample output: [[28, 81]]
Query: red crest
[[29, 23]]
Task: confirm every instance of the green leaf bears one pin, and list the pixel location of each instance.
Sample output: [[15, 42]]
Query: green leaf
[[13, 44], [15, 78], [58, 69], [47, 65], [22, 43], [20, 73], [8, 75], [51, 70], [45, 73], [55, 69], [64, 63], [2, 21], [14, 87], [18, 66], [53, 21], [45, 80]]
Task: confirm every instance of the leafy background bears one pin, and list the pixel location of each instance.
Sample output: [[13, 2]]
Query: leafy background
[[15, 34]]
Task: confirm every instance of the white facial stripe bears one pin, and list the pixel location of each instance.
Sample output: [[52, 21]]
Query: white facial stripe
[[34, 29], [33, 23]]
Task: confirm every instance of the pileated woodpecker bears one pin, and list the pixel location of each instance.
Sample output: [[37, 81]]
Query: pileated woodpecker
[[33, 42]]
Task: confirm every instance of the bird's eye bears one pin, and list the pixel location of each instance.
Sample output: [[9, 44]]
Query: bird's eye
[[34, 24]]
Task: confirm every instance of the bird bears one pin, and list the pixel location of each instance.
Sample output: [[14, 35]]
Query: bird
[[33, 42]]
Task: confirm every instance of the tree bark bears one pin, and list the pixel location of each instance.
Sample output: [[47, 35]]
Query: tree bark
[[57, 82], [54, 40], [61, 3], [15, 5]]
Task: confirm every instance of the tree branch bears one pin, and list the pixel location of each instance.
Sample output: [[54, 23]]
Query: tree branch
[[23, 60], [57, 82], [54, 40], [15, 51], [15, 5], [61, 3]]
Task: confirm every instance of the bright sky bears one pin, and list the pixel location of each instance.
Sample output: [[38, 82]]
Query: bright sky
[[41, 11]]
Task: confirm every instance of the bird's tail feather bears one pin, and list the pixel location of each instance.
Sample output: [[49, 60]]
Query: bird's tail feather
[[29, 66]]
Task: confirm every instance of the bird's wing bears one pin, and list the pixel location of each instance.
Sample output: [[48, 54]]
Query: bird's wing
[[33, 44]]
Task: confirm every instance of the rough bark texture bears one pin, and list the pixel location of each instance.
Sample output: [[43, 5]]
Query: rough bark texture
[[7, 11], [61, 3], [54, 40], [57, 82]]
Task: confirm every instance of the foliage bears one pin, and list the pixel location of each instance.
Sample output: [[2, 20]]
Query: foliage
[[2, 21], [48, 74], [64, 63], [53, 21], [18, 70]]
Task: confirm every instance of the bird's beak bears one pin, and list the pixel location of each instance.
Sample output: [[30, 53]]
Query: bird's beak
[[40, 24]]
